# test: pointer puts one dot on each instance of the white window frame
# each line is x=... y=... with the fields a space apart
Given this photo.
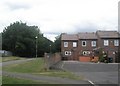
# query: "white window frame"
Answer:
x=67 y=53
x=85 y=53
x=65 y=44
x=85 y=44
x=106 y=42
x=116 y=42
x=74 y=44
x=93 y=43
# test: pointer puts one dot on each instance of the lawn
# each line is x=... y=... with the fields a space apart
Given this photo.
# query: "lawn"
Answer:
x=62 y=74
x=6 y=81
x=37 y=67
x=0 y=80
x=33 y=66
x=0 y=59
x=0 y=68
x=4 y=59
x=12 y=80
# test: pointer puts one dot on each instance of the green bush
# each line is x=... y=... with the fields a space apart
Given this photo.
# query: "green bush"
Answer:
x=102 y=59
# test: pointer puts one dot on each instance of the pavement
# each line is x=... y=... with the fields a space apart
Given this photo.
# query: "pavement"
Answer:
x=95 y=73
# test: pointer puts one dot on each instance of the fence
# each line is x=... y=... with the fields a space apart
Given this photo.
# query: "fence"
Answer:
x=51 y=59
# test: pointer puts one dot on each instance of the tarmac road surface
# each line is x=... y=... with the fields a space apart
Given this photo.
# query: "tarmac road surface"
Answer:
x=97 y=73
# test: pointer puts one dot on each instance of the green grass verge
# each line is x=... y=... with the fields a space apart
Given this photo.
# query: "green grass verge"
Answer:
x=62 y=74
x=0 y=80
x=0 y=59
x=4 y=59
x=33 y=66
x=0 y=68
x=37 y=67
x=12 y=80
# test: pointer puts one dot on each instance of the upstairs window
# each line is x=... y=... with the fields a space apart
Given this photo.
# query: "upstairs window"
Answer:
x=65 y=44
x=116 y=42
x=83 y=43
x=74 y=44
x=106 y=43
x=93 y=43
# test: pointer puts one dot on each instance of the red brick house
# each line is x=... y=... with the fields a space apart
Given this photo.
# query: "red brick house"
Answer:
x=109 y=41
x=69 y=44
x=81 y=46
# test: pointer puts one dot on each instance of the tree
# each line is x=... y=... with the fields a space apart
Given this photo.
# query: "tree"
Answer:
x=19 y=38
x=57 y=43
x=44 y=46
x=0 y=41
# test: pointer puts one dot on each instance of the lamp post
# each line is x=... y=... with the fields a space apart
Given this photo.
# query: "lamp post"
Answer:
x=50 y=48
x=36 y=45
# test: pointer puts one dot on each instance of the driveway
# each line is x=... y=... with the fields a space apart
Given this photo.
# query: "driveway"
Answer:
x=95 y=73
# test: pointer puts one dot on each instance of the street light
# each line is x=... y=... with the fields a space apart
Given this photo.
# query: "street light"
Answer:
x=50 y=48
x=36 y=45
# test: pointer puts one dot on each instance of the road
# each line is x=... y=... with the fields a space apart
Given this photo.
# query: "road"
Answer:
x=97 y=73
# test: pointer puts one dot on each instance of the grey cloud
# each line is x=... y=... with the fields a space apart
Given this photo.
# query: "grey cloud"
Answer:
x=17 y=6
x=87 y=27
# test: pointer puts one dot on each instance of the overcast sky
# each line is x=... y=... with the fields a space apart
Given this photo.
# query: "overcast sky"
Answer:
x=61 y=16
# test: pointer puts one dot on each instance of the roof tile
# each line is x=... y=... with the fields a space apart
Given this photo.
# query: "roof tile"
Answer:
x=69 y=37
x=108 y=34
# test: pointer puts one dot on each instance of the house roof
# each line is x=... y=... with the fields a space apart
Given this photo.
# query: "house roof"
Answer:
x=108 y=34
x=69 y=37
x=92 y=35
x=87 y=35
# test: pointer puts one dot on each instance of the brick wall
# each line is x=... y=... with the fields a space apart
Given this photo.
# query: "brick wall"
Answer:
x=84 y=59
x=88 y=59
x=51 y=59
